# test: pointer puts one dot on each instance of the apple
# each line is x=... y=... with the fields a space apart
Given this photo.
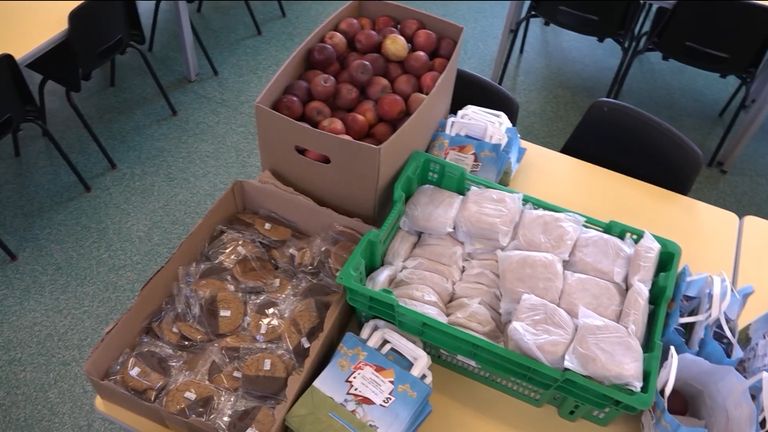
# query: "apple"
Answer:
x=367 y=109
x=289 y=106
x=378 y=62
x=356 y=124
x=405 y=85
x=415 y=101
x=352 y=56
x=425 y=40
x=388 y=31
x=394 y=70
x=316 y=111
x=410 y=26
x=398 y=124
x=417 y=63
x=367 y=41
x=344 y=77
x=332 y=125
x=361 y=72
x=365 y=23
x=390 y=107
x=445 y=47
x=348 y=27
x=347 y=96
x=439 y=64
x=371 y=141
x=300 y=89
x=337 y=41
x=377 y=87
x=315 y=156
x=321 y=56
x=323 y=87
x=382 y=131
x=338 y=113
x=384 y=21
x=310 y=74
x=333 y=69
x=428 y=81
x=394 y=48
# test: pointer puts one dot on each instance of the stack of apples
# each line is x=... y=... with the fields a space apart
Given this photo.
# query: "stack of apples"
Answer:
x=367 y=77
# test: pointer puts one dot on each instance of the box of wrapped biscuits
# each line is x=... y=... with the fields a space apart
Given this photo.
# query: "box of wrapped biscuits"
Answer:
x=357 y=97
x=239 y=321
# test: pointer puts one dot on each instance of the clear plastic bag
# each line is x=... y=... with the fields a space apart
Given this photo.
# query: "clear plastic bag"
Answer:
x=521 y=272
x=605 y=351
x=334 y=248
x=541 y=330
x=420 y=293
x=427 y=310
x=472 y=314
x=223 y=312
x=400 y=248
x=546 y=231
x=602 y=256
x=268 y=229
x=634 y=314
x=480 y=256
x=232 y=246
x=215 y=367
x=601 y=297
x=482 y=276
x=440 y=248
x=382 y=277
x=451 y=273
x=192 y=398
x=265 y=374
x=486 y=219
x=431 y=210
x=442 y=286
x=473 y=290
x=266 y=319
x=642 y=264
x=482 y=264
x=240 y=414
x=146 y=370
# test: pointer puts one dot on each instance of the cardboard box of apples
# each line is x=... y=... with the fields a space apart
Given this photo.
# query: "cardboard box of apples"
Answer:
x=363 y=92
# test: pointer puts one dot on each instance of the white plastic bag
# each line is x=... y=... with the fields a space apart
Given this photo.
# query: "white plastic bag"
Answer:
x=480 y=256
x=521 y=272
x=473 y=290
x=634 y=314
x=482 y=276
x=541 y=330
x=487 y=219
x=451 y=273
x=546 y=231
x=601 y=255
x=424 y=309
x=606 y=352
x=431 y=210
x=601 y=297
x=490 y=265
x=381 y=278
x=473 y=315
x=420 y=293
x=439 y=284
x=642 y=264
x=400 y=248
x=441 y=248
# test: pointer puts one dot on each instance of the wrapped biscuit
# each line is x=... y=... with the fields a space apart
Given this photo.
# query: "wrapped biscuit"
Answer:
x=546 y=231
x=601 y=297
x=431 y=210
x=146 y=370
x=192 y=398
x=487 y=218
x=441 y=248
x=541 y=330
x=451 y=273
x=642 y=264
x=521 y=272
x=601 y=255
x=634 y=314
x=442 y=286
x=381 y=278
x=265 y=374
x=400 y=248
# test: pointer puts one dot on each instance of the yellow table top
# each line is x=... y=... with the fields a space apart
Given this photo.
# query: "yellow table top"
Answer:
x=25 y=25
x=751 y=268
x=707 y=234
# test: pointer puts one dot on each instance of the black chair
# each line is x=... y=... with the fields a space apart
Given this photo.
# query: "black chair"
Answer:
x=622 y=138
x=18 y=106
x=8 y=251
x=250 y=12
x=473 y=89
x=729 y=38
x=614 y=20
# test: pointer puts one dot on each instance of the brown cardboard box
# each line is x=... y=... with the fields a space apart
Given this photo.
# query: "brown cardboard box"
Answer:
x=358 y=181
x=265 y=193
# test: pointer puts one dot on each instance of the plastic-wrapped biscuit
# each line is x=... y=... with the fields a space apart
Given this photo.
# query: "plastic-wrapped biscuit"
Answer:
x=431 y=210
x=601 y=255
x=381 y=278
x=541 y=330
x=473 y=315
x=191 y=398
x=451 y=273
x=546 y=231
x=442 y=286
x=429 y=311
x=606 y=352
x=441 y=248
x=521 y=272
x=400 y=248
x=421 y=294
x=642 y=264
x=473 y=290
x=634 y=315
x=601 y=297
x=487 y=218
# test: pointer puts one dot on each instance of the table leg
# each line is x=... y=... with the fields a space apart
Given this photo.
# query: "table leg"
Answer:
x=514 y=13
x=186 y=39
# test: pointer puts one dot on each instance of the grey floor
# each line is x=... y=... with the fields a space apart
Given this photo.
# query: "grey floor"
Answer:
x=83 y=257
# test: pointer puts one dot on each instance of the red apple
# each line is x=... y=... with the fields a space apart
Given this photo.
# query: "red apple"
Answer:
x=309 y=75
x=410 y=26
x=367 y=109
x=425 y=40
x=394 y=48
x=338 y=113
x=365 y=23
x=390 y=107
x=377 y=87
x=405 y=85
x=378 y=62
x=356 y=124
x=316 y=111
x=289 y=106
x=352 y=56
x=415 y=101
x=361 y=72
x=300 y=89
x=394 y=70
x=333 y=69
x=347 y=96
x=445 y=47
x=337 y=41
x=315 y=156
x=388 y=31
x=332 y=125
x=367 y=41
x=383 y=22
x=321 y=56
x=428 y=81
x=382 y=131
x=344 y=77
x=348 y=27
x=371 y=141
x=417 y=63
x=323 y=87
x=439 y=64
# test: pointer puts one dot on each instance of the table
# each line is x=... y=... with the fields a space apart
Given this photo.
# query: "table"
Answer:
x=751 y=266
x=707 y=234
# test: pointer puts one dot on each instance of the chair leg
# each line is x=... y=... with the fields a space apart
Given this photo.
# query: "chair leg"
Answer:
x=633 y=54
x=112 y=69
x=721 y=143
x=15 y=138
x=282 y=10
x=199 y=6
x=8 y=251
x=647 y=7
x=204 y=50
x=730 y=99
x=511 y=47
x=525 y=36
x=253 y=17
x=63 y=154
x=89 y=129
x=155 y=78
x=41 y=98
x=154 y=26
x=619 y=69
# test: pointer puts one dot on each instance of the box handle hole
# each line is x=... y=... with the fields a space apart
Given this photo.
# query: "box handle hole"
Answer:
x=312 y=155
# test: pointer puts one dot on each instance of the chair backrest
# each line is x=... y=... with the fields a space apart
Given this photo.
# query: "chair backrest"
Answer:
x=724 y=37
x=601 y=19
x=627 y=140
x=15 y=95
x=98 y=31
x=473 y=89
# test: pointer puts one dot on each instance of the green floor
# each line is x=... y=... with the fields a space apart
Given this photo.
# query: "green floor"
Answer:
x=83 y=257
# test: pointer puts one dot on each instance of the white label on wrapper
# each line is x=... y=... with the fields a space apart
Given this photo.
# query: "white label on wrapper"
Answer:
x=267 y=364
x=135 y=371
x=263 y=328
x=225 y=312
x=241 y=250
x=237 y=374
x=305 y=342
x=175 y=329
x=275 y=283
x=189 y=395
x=267 y=226
x=271 y=311
x=251 y=429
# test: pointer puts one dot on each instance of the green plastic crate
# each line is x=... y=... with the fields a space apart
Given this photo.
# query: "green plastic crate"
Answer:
x=575 y=396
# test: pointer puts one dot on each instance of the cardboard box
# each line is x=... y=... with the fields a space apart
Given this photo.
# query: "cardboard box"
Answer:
x=359 y=178
x=265 y=193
